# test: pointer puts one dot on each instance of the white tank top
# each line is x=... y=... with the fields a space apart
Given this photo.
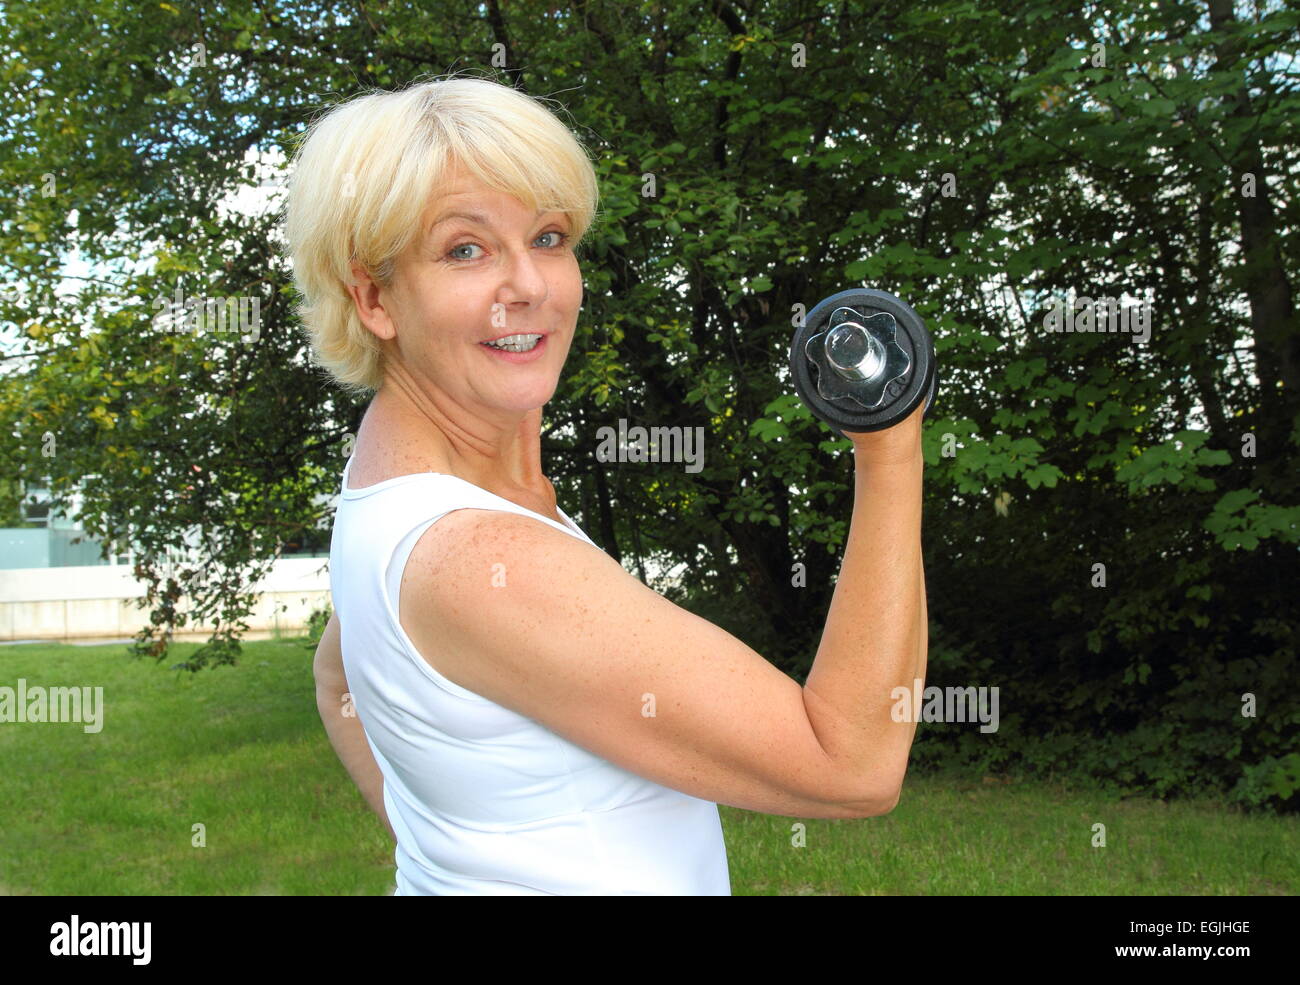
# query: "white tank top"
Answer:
x=483 y=800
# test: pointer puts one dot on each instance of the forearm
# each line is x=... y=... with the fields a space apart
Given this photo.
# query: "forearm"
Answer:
x=342 y=725
x=349 y=742
x=876 y=637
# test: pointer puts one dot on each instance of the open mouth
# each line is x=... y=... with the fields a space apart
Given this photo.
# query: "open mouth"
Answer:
x=522 y=348
x=515 y=343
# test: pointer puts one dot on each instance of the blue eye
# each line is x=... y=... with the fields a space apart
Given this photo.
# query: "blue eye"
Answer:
x=462 y=246
x=451 y=254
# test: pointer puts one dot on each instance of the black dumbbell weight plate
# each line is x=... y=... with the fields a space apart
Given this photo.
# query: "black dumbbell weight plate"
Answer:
x=901 y=354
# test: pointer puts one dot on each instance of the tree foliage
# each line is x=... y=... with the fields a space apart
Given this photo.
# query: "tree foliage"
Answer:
x=1111 y=524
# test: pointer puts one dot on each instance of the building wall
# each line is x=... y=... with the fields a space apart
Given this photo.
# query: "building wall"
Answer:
x=100 y=601
x=56 y=584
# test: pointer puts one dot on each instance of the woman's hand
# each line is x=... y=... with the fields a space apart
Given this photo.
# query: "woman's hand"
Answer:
x=897 y=445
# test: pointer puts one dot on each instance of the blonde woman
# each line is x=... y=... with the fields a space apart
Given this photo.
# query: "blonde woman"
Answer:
x=529 y=717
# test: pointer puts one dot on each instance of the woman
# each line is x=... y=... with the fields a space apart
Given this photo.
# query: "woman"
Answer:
x=529 y=717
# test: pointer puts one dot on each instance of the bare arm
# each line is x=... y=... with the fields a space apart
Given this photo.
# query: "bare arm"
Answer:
x=344 y=730
x=573 y=641
x=876 y=637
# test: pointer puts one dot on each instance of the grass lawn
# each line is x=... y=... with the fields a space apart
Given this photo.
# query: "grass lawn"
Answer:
x=242 y=752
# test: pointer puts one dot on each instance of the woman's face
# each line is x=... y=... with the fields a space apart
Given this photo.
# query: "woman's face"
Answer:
x=467 y=280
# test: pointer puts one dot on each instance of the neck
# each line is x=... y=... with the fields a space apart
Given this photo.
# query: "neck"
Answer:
x=489 y=454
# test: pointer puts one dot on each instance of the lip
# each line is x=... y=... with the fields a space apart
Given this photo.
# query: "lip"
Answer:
x=535 y=352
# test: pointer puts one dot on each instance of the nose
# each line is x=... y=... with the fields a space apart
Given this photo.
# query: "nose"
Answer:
x=525 y=280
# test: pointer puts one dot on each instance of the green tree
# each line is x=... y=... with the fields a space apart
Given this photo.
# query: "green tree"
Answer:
x=982 y=165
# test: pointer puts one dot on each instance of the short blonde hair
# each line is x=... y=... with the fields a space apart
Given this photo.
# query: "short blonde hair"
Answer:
x=367 y=169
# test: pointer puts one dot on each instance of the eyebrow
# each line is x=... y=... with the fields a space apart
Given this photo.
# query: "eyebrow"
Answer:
x=478 y=217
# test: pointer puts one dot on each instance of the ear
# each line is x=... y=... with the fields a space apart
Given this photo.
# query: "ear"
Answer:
x=371 y=306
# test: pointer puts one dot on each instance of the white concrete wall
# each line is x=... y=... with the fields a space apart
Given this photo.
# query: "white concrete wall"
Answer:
x=99 y=601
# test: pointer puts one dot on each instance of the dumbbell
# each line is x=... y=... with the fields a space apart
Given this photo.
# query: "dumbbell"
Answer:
x=862 y=360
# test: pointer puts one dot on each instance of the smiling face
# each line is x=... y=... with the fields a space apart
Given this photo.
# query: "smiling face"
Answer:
x=481 y=267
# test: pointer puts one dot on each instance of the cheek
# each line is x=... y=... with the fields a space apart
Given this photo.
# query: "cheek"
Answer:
x=572 y=285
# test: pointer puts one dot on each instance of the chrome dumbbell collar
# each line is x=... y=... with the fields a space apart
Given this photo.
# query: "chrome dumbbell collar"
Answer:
x=858 y=357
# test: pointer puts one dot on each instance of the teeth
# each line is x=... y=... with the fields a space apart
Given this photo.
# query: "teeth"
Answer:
x=515 y=343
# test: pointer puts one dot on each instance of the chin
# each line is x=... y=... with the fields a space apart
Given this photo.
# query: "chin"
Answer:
x=522 y=403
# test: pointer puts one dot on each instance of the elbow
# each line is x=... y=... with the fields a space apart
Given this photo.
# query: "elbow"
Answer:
x=326 y=703
x=889 y=802
x=881 y=799
x=327 y=690
x=877 y=806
